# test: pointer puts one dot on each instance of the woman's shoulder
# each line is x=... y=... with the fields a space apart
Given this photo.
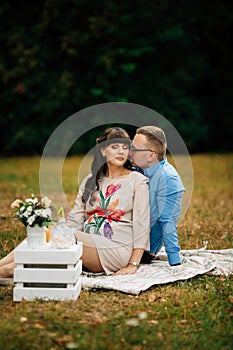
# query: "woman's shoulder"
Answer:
x=137 y=176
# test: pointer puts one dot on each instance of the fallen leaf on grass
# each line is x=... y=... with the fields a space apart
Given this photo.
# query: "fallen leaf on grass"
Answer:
x=133 y=322
x=39 y=326
x=183 y=321
x=142 y=315
x=72 y=346
x=51 y=334
x=152 y=298
x=62 y=341
x=160 y=336
x=154 y=322
x=96 y=318
x=163 y=300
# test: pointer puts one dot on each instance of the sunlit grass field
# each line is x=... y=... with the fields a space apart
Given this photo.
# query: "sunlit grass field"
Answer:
x=193 y=314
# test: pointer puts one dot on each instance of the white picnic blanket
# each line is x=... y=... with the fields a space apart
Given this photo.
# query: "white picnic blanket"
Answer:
x=194 y=262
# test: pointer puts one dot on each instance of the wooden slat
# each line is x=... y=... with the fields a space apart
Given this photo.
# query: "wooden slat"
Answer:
x=48 y=275
x=30 y=294
x=46 y=254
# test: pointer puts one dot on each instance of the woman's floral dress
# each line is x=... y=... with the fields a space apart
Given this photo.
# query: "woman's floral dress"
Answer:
x=117 y=220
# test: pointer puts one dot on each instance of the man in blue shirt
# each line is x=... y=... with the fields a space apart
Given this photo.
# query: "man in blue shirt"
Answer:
x=166 y=190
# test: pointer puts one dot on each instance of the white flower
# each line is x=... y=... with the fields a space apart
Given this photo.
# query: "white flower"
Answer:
x=27 y=212
x=31 y=200
x=31 y=220
x=24 y=214
x=39 y=212
x=46 y=202
x=47 y=213
x=22 y=209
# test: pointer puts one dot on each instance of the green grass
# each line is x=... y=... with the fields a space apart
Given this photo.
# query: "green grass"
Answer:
x=193 y=314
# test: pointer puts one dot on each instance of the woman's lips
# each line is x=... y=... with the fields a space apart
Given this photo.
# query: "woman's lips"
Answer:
x=120 y=158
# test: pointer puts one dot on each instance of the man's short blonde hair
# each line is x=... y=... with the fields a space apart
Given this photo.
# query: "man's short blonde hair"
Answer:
x=156 y=139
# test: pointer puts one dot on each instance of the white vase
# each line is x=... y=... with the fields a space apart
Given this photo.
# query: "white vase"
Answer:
x=36 y=236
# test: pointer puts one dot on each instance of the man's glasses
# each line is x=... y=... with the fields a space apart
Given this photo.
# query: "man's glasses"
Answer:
x=134 y=149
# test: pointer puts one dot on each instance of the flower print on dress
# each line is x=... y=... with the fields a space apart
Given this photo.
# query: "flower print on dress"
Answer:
x=111 y=189
x=113 y=205
x=105 y=212
x=108 y=231
x=105 y=199
x=115 y=215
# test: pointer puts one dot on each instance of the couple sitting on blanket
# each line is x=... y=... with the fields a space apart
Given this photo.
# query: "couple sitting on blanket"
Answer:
x=122 y=216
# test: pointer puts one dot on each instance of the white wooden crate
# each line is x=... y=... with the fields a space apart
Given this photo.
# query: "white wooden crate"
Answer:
x=47 y=273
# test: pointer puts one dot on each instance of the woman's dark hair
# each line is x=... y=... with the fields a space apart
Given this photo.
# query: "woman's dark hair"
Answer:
x=99 y=165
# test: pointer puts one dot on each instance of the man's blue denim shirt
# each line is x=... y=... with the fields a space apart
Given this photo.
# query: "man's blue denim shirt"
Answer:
x=166 y=190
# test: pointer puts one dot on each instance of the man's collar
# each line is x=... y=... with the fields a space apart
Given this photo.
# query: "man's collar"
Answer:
x=149 y=172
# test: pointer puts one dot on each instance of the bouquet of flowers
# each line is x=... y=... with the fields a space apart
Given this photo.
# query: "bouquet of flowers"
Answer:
x=33 y=211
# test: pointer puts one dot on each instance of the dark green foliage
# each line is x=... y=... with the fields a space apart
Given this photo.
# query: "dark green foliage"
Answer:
x=59 y=57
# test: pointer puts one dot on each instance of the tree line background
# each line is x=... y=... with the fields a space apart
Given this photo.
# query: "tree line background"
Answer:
x=60 y=56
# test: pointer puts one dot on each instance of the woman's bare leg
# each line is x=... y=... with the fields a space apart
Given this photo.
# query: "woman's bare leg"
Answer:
x=7 y=271
x=9 y=258
x=7 y=265
x=90 y=256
